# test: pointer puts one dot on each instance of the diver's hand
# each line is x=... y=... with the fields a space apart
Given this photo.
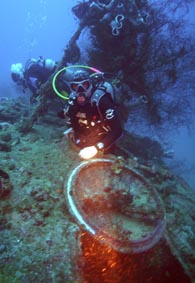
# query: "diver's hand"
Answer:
x=88 y=152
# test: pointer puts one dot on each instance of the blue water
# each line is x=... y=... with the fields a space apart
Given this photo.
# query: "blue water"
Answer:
x=30 y=29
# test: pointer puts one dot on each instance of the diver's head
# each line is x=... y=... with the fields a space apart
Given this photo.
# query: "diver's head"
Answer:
x=81 y=85
x=17 y=72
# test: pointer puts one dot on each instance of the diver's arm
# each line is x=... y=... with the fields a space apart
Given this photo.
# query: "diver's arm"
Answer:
x=111 y=118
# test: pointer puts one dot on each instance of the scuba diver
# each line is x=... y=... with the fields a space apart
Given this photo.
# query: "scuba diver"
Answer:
x=34 y=74
x=92 y=114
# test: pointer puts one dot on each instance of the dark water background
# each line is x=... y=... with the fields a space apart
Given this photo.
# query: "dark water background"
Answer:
x=43 y=27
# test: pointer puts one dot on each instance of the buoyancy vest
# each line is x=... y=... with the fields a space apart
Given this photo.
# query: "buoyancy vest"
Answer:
x=105 y=88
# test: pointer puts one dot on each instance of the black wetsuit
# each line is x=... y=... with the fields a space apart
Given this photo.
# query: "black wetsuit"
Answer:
x=93 y=124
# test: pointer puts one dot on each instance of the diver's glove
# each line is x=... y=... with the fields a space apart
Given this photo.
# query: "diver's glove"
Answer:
x=88 y=152
x=69 y=134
